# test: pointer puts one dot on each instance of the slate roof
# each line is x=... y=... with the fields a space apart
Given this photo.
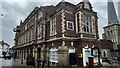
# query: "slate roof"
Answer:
x=106 y=44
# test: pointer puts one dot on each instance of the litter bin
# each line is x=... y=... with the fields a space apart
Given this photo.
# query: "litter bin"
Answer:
x=91 y=62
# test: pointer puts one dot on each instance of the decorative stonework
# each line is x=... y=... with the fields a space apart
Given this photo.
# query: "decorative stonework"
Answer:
x=76 y=23
x=63 y=43
x=82 y=23
x=63 y=56
x=71 y=43
x=44 y=30
x=63 y=22
x=93 y=25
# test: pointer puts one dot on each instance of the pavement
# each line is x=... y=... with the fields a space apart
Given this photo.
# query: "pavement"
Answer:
x=17 y=64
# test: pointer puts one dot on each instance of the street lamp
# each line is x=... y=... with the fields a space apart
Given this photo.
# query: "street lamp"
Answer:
x=3 y=52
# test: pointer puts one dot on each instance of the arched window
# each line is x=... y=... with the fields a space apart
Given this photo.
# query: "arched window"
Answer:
x=113 y=40
x=104 y=54
x=86 y=45
x=93 y=46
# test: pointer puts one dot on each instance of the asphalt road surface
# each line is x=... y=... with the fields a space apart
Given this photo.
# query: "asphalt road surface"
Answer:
x=5 y=63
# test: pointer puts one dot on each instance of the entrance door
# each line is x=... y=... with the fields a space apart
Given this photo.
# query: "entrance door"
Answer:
x=38 y=53
x=72 y=59
x=38 y=56
x=86 y=54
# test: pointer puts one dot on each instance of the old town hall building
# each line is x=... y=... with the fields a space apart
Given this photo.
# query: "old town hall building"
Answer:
x=63 y=34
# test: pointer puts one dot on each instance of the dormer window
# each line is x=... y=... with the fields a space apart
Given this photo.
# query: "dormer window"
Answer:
x=40 y=15
x=86 y=5
x=81 y=6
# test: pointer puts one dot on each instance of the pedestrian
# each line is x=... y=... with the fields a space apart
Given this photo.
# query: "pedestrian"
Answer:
x=43 y=64
x=38 y=61
x=48 y=62
x=21 y=59
x=15 y=55
x=33 y=60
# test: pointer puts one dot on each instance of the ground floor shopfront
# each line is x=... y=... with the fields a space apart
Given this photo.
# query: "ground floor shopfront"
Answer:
x=63 y=53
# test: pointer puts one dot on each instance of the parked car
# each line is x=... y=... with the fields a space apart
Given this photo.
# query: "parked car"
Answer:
x=7 y=56
x=1 y=56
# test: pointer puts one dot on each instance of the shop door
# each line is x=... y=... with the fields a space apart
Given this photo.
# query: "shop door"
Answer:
x=72 y=59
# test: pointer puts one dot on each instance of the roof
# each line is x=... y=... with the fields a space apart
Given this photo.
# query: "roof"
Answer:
x=111 y=25
x=65 y=5
x=106 y=44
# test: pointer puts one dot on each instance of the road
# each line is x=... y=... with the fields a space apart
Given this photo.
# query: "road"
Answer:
x=16 y=64
x=5 y=63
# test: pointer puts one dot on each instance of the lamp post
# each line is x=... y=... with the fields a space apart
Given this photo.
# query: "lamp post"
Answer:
x=3 y=52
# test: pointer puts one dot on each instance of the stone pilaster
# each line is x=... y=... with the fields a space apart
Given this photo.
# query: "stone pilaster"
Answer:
x=63 y=56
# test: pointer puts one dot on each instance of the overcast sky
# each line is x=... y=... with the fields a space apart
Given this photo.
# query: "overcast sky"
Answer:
x=15 y=10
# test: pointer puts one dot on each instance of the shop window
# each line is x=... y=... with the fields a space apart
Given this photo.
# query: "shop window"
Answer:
x=104 y=54
x=53 y=55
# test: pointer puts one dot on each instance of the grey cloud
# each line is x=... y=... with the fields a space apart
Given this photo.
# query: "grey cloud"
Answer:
x=101 y=9
x=12 y=15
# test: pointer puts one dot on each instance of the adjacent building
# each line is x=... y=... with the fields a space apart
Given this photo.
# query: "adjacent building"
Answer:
x=65 y=34
x=1 y=50
x=106 y=47
x=119 y=11
x=112 y=30
x=4 y=48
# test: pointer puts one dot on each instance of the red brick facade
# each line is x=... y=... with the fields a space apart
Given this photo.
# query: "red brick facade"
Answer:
x=36 y=32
